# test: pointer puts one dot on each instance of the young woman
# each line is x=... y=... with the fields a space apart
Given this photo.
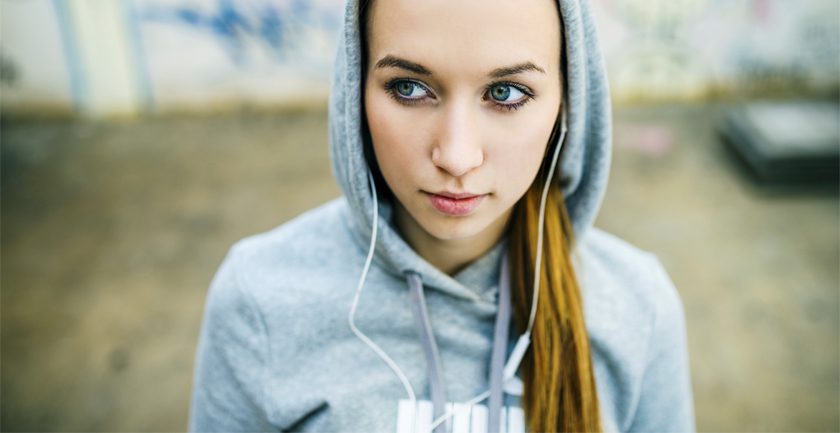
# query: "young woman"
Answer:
x=458 y=285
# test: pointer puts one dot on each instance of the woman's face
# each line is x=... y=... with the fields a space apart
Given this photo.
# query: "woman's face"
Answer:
x=460 y=98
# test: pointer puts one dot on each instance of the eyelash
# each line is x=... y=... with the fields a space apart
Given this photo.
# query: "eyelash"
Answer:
x=390 y=88
x=528 y=95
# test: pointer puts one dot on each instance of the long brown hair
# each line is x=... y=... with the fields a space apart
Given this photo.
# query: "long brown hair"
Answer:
x=557 y=371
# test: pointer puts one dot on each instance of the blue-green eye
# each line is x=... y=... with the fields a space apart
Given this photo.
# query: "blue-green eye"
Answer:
x=508 y=96
x=505 y=93
x=408 y=89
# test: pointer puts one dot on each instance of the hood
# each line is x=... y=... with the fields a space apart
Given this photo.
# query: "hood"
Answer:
x=584 y=163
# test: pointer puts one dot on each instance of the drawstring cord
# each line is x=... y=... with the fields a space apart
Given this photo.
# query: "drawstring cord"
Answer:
x=497 y=359
x=522 y=344
x=524 y=341
x=437 y=388
x=430 y=349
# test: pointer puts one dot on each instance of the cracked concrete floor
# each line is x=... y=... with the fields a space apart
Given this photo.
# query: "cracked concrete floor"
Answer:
x=111 y=233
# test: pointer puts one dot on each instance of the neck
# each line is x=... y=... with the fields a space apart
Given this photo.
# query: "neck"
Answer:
x=448 y=255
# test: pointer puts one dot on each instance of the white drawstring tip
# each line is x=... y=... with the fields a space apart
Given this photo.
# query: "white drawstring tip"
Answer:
x=516 y=356
x=514 y=386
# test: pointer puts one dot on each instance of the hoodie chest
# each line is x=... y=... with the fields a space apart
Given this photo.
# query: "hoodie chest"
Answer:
x=325 y=376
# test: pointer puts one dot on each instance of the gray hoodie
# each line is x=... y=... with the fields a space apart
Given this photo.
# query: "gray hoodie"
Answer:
x=276 y=352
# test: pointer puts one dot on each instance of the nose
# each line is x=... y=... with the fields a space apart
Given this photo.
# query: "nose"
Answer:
x=457 y=148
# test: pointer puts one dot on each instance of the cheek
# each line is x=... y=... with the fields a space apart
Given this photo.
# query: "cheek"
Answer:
x=519 y=150
x=396 y=148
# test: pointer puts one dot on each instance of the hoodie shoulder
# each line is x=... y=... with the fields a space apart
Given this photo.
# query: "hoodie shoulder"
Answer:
x=615 y=273
x=274 y=293
x=312 y=225
x=299 y=257
x=636 y=321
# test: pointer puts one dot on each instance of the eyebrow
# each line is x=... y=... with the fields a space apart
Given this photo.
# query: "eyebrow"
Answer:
x=390 y=61
x=515 y=69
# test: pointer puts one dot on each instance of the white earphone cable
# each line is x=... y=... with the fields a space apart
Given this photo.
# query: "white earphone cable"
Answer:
x=350 y=319
x=524 y=340
x=541 y=224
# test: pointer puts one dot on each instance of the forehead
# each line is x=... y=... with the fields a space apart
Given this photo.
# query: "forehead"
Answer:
x=466 y=36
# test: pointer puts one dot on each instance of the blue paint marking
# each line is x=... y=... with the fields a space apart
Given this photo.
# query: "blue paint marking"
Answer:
x=189 y=17
x=235 y=25
x=271 y=31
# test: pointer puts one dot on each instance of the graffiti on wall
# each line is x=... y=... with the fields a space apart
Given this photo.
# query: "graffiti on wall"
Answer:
x=260 y=49
x=277 y=27
x=196 y=53
x=697 y=48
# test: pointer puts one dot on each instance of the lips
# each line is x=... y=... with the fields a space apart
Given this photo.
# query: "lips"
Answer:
x=455 y=204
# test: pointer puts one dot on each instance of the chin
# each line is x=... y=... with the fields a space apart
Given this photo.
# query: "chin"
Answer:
x=453 y=229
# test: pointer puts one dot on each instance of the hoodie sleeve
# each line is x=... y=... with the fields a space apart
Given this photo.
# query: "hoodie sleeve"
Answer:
x=227 y=392
x=666 y=403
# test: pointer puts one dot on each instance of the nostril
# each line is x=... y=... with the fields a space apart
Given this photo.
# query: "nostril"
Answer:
x=436 y=156
x=455 y=166
x=457 y=160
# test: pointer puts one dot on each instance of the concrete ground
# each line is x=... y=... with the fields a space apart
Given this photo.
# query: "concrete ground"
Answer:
x=111 y=234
